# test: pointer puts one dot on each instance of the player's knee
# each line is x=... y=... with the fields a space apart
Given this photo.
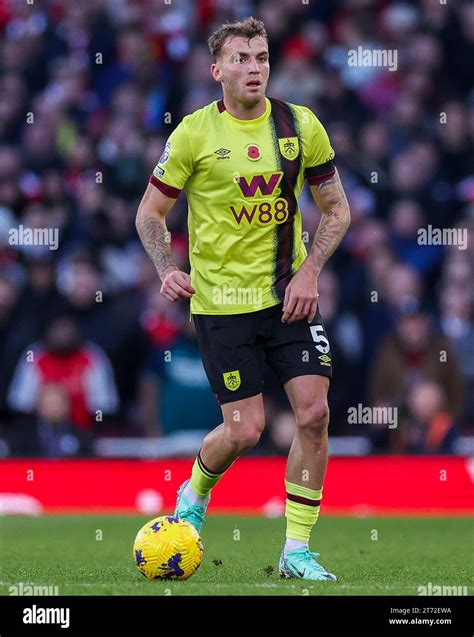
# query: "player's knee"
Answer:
x=313 y=419
x=246 y=436
x=248 y=441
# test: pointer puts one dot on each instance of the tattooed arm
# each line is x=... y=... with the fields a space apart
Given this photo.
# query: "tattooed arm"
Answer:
x=301 y=296
x=151 y=227
x=334 y=223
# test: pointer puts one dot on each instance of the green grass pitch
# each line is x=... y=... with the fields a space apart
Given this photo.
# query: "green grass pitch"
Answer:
x=240 y=556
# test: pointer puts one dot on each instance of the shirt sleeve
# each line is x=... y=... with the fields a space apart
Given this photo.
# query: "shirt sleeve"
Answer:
x=318 y=153
x=175 y=165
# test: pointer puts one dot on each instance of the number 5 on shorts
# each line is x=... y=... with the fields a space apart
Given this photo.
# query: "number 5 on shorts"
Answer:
x=322 y=343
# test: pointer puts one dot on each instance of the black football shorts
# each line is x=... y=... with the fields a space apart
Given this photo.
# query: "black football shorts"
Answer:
x=234 y=348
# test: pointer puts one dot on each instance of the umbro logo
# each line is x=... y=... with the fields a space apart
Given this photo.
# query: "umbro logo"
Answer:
x=325 y=360
x=223 y=153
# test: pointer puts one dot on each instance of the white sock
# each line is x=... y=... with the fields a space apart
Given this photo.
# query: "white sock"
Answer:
x=293 y=544
x=193 y=498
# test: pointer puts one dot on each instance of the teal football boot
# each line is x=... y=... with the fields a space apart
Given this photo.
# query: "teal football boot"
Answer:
x=301 y=564
x=193 y=513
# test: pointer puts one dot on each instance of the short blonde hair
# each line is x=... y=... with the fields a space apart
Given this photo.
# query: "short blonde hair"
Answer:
x=248 y=28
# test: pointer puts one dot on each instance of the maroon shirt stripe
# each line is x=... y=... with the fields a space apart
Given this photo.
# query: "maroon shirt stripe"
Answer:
x=318 y=179
x=169 y=191
x=318 y=174
x=285 y=126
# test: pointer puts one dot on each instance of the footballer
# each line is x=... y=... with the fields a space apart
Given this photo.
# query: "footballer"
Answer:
x=253 y=286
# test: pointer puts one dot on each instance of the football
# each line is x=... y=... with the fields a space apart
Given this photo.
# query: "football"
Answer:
x=168 y=548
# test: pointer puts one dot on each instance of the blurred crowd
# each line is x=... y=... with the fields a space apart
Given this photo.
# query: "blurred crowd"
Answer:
x=89 y=92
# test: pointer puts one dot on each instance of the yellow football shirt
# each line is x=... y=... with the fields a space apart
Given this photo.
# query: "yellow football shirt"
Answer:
x=243 y=179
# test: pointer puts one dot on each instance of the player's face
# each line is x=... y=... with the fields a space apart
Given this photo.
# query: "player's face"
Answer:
x=243 y=68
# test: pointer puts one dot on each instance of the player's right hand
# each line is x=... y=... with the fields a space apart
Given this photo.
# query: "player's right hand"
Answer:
x=176 y=285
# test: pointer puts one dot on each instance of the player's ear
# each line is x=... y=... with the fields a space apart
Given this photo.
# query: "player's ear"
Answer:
x=216 y=74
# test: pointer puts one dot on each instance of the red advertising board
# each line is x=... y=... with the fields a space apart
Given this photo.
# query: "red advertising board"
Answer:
x=419 y=485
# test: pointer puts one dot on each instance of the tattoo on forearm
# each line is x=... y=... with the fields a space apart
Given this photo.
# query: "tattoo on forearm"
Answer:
x=156 y=241
x=334 y=221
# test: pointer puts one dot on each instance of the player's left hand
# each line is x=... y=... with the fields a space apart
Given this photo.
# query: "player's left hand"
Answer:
x=301 y=296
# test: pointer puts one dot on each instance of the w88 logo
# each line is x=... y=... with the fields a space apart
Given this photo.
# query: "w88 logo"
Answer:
x=262 y=213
